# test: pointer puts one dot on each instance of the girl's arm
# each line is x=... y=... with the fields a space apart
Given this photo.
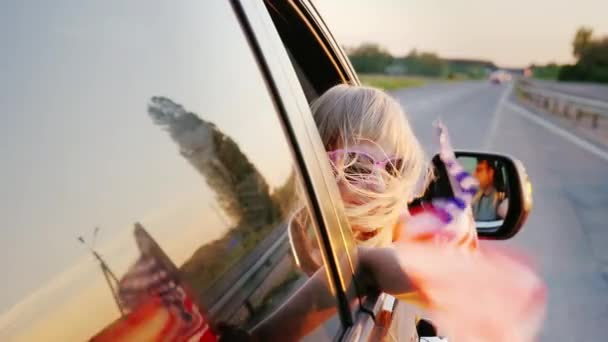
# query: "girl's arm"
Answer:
x=313 y=304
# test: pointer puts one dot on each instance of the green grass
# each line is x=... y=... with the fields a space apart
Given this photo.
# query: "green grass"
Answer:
x=389 y=82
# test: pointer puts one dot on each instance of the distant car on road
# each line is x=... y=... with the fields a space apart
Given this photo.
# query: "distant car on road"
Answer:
x=500 y=76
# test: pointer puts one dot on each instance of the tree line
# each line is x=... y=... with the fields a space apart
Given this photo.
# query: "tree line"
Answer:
x=371 y=58
x=591 y=65
x=591 y=54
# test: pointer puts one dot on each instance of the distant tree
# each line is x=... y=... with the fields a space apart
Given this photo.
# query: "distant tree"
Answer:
x=582 y=40
x=592 y=58
x=369 y=58
x=595 y=53
x=425 y=64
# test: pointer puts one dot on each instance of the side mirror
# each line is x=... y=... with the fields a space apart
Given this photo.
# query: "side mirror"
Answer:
x=504 y=200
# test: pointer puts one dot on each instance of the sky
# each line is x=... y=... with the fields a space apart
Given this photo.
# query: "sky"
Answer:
x=510 y=33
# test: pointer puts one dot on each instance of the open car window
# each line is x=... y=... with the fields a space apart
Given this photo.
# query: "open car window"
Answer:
x=149 y=189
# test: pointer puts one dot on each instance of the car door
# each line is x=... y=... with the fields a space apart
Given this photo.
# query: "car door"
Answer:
x=313 y=61
x=155 y=155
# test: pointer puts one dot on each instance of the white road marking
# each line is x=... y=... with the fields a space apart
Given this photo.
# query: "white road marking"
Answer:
x=558 y=130
x=495 y=117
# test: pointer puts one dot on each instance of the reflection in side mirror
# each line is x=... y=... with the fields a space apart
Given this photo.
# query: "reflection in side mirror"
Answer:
x=491 y=203
x=504 y=199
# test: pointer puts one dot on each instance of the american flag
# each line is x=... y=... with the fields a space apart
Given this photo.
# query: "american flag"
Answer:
x=159 y=306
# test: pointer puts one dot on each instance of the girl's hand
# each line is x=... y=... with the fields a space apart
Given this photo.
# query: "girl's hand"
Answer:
x=490 y=295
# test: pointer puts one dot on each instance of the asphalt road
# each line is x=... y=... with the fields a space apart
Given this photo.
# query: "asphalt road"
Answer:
x=567 y=231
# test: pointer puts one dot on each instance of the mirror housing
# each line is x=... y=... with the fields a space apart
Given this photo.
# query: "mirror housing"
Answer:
x=517 y=192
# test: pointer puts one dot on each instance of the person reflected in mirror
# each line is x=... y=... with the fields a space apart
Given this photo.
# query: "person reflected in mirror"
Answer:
x=489 y=204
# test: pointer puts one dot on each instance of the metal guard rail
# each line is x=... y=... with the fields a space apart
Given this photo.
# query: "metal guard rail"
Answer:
x=562 y=103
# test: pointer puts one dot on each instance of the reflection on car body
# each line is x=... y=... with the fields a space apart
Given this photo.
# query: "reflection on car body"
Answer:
x=235 y=279
x=155 y=303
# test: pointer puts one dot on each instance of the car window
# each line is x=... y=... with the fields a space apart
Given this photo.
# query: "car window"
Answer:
x=148 y=188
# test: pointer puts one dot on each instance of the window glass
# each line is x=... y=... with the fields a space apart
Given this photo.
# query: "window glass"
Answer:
x=147 y=186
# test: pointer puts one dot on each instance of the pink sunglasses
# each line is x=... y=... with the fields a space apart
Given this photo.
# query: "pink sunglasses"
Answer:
x=362 y=163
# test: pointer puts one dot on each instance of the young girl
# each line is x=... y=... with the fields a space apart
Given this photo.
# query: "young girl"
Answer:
x=379 y=167
x=376 y=158
x=378 y=164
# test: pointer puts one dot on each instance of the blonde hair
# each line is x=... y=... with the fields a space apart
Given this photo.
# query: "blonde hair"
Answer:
x=346 y=115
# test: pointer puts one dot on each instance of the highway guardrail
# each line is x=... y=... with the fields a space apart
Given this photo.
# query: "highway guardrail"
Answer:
x=566 y=105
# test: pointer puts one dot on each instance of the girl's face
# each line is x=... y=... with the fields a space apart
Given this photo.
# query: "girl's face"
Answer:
x=380 y=152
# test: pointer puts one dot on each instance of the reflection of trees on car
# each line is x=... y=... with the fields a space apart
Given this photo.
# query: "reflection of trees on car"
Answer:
x=241 y=192
x=240 y=189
